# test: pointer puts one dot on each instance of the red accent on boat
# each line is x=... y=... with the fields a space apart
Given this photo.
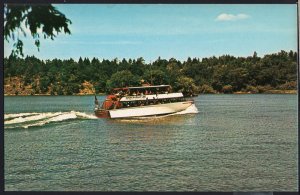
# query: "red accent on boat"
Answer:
x=111 y=97
x=119 y=104
x=108 y=104
x=102 y=114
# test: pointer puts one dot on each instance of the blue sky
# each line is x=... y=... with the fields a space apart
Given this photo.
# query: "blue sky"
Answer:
x=179 y=31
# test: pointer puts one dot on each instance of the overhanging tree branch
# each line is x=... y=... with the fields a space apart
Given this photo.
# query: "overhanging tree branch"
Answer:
x=41 y=20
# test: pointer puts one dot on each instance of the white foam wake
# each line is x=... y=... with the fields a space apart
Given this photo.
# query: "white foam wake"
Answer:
x=190 y=110
x=84 y=115
x=62 y=117
x=10 y=116
x=26 y=120
x=36 y=117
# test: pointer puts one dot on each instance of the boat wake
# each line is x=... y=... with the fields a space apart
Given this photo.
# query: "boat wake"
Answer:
x=190 y=110
x=25 y=120
x=35 y=119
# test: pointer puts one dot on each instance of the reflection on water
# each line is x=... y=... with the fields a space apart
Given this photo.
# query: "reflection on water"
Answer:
x=166 y=120
x=126 y=131
x=148 y=131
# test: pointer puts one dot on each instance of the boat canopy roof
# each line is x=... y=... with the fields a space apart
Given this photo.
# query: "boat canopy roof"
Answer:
x=150 y=86
x=142 y=87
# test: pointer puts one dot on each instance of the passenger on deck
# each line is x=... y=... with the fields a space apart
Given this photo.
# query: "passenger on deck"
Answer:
x=147 y=102
x=121 y=93
x=154 y=101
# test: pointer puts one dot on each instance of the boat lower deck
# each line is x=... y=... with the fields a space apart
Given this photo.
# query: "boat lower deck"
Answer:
x=147 y=111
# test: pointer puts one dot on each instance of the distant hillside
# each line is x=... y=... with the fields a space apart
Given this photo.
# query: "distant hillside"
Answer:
x=272 y=73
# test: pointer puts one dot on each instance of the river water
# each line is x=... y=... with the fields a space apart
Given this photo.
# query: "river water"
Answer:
x=234 y=143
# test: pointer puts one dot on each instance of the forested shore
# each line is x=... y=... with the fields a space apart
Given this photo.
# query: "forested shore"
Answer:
x=272 y=73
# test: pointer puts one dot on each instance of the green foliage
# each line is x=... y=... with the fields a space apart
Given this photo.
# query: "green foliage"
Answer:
x=122 y=78
x=227 y=89
x=156 y=76
x=72 y=88
x=173 y=71
x=42 y=21
x=206 y=89
x=44 y=83
x=186 y=85
x=288 y=85
x=263 y=89
x=224 y=74
x=252 y=89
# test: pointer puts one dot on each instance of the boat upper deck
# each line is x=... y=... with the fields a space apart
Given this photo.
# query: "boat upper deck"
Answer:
x=145 y=93
x=147 y=90
x=150 y=87
x=142 y=97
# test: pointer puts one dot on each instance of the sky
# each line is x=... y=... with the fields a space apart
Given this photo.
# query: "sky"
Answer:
x=169 y=31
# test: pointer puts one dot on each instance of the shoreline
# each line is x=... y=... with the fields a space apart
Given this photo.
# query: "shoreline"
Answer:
x=273 y=91
x=235 y=93
x=54 y=95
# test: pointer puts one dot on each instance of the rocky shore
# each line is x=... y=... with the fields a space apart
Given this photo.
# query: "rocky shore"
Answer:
x=16 y=86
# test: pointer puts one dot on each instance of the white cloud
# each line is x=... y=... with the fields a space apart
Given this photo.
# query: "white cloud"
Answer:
x=231 y=17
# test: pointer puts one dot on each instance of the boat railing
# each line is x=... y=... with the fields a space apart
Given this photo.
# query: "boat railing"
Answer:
x=135 y=96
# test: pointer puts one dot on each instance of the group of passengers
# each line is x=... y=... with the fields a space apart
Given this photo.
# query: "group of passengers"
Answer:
x=149 y=102
x=143 y=92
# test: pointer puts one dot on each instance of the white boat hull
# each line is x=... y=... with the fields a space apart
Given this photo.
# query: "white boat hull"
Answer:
x=150 y=110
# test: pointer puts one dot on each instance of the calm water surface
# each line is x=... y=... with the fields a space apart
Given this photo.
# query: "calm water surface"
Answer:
x=234 y=143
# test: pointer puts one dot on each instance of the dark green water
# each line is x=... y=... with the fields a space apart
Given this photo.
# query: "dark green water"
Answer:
x=234 y=143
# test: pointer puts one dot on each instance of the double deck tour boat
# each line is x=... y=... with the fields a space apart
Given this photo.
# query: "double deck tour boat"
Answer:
x=143 y=101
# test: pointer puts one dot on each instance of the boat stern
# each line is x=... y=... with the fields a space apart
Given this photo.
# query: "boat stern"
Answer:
x=101 y=113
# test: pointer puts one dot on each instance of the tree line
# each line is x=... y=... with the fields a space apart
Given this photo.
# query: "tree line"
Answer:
x=223 y=74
